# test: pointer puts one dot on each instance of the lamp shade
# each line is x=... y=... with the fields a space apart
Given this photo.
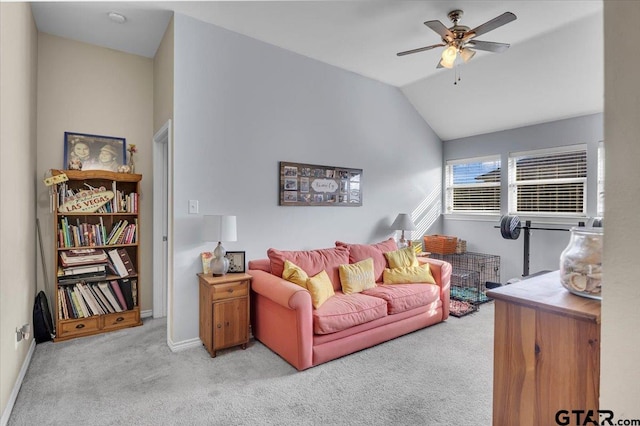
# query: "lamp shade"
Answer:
x=403 y=223
x=219 y=228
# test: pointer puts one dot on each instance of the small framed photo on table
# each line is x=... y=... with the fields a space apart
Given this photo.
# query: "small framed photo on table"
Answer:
x=236 y=261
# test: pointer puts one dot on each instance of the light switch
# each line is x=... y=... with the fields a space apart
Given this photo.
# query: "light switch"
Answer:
x=193 y=206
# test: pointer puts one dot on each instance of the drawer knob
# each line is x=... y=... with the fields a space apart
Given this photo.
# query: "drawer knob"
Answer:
x=230 y=290
x=80 y=326
x=119 y=319
x=219 y=325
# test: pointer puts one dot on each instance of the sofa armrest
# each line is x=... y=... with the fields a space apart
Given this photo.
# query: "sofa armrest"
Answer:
x=441 y=272
x=282 y=317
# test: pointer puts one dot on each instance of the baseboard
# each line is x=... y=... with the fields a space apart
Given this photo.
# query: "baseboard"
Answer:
x=183 y=345
x=16 y=387
x=146 y=314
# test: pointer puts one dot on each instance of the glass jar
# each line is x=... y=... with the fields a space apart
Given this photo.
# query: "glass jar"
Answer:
x=581 y=263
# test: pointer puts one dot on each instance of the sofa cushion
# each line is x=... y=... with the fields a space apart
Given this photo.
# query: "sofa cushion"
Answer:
x=311 y=261
x=320 y=288
x=295 y=274
x=403 y=297
x=401 y=258
x=408 y=274
x=347 y=310
x=358 y=252
x=356 y=277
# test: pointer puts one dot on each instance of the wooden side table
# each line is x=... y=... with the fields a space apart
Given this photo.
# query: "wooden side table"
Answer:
x=546 y=352
x=224 y=311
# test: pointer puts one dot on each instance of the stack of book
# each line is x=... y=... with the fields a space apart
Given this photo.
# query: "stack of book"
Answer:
x=82 y=265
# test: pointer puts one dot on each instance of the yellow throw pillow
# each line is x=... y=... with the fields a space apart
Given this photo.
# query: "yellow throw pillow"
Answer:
x=401 y=258
x=295 y=274
x=408 y=274
x=320 y=288
x=357 y=277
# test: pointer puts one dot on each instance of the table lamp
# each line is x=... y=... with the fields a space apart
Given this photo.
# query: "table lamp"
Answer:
x=403 y=223
x=219 y=228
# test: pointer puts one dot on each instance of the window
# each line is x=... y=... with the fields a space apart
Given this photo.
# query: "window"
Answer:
x=549 y=181
x=473 y=185
x=600 y=204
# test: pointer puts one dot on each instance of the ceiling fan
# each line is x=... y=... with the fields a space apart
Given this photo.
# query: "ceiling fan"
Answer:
x=460 y=40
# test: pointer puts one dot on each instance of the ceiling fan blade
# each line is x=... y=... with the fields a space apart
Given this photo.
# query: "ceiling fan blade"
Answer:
x=496 y=22
x=488 y=46
x=420 y=49
x=439 y=27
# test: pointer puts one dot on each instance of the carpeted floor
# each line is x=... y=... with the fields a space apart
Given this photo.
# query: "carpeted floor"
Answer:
x=441 y=375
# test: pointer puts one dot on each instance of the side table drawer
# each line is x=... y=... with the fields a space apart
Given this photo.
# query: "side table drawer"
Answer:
x=230 y=290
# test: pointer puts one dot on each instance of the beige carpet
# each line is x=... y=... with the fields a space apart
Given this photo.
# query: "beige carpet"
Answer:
x=441 y=375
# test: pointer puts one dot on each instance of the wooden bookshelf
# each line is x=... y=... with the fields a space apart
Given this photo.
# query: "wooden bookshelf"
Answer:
x=90 y=209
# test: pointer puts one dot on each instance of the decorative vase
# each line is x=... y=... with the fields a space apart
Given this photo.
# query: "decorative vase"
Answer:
x=581 y=263
x=132 y=165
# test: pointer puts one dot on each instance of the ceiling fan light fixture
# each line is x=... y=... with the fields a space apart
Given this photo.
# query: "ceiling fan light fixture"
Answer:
x=467 y=54
x=449 y=54
x=447 y=63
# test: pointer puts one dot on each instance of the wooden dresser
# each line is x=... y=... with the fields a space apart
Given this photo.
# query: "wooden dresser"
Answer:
x=224 y=311
x=546 y=352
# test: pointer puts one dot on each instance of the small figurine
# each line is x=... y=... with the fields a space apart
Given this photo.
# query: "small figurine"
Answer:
x=75 y=164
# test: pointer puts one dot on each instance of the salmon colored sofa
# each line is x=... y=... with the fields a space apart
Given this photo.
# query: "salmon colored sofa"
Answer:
x=284 y=319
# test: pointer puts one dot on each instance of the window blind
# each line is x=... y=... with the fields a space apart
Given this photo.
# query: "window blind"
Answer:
x=473 y=185
x=548 y=181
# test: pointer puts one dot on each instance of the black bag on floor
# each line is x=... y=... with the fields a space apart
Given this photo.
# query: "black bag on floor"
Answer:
x=42 y=322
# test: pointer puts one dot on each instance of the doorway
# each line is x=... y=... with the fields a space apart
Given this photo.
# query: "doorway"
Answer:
x=162 y=147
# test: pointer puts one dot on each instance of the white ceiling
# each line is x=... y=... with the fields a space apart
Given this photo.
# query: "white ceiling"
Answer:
x=553 y=70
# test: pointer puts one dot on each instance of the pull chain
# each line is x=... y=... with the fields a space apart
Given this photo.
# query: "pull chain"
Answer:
x=456 y=75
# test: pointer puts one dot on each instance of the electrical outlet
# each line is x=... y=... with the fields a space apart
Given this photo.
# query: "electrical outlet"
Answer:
x=193 y=206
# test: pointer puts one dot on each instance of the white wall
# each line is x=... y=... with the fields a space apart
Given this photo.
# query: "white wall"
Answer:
x=546 y=246
x=240 y=107
x=18 y=261
x=620 y=349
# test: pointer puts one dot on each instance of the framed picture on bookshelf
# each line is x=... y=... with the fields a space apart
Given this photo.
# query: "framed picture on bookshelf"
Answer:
x=236 y=261
x=93 y=152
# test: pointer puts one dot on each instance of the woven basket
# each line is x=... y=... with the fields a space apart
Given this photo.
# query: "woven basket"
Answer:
x=440 y=244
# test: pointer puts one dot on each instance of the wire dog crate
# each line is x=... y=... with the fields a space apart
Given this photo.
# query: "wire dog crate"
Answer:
x=472 y=271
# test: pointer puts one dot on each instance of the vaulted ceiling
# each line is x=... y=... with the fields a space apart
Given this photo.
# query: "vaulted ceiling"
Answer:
x=553 y=70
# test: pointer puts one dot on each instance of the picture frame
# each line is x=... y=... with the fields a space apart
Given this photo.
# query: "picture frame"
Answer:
x=236 y=261
x=83 y=151
x=313 y=185
x=206 y=257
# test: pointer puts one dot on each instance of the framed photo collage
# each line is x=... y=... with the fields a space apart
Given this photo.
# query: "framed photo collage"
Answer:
x=314 y=185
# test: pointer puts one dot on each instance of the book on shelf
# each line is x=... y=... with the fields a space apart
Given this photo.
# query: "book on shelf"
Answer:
x=115 y=287
x=106 y=290
x=122 y=262
x=125 y=287
x=91 y=276
x=69 y=258
x=85 y=269
x=94 y=287
x=87 y=299
x=80 y=313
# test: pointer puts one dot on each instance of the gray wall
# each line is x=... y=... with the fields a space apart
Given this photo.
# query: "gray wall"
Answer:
x=240 y=107
x=546 y=246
